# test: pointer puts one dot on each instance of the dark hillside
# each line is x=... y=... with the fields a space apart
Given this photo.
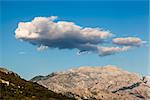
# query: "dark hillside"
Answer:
x=12 y=87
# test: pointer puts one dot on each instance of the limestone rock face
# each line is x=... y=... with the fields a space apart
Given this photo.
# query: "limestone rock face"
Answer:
x=98 y=83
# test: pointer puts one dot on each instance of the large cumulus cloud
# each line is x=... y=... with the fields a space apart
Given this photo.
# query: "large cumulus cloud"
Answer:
x=46 y=32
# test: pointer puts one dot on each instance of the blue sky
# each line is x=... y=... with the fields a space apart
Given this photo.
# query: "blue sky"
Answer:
x=122 y=18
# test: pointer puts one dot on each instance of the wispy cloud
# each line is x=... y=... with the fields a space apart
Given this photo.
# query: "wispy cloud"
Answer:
x=46 y=32
x=129 y=41
x=22 y=53
x=113 y=50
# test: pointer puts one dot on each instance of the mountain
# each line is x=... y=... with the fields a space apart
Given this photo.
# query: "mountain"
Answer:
x=98 y=83
x=13 y=87
x=37 y=78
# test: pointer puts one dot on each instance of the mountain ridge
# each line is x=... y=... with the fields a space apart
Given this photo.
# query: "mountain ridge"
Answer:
x=83 y=83
x=13 y=87
x=100 y=83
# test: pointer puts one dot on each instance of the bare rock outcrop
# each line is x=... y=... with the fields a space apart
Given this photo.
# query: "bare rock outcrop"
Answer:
x=98 y=83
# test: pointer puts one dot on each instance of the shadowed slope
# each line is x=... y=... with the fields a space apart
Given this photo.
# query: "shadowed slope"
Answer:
x=12 y=87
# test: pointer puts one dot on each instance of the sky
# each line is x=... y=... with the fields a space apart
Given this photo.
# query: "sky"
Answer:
x=121 y=18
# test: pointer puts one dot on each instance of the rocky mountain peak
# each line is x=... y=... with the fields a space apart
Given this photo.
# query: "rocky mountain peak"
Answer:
x=106 y=83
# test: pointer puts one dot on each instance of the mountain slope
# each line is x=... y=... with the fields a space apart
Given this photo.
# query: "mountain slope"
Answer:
x=12 y=87
x=98 y=83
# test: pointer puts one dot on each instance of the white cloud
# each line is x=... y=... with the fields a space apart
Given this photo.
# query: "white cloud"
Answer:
x=128 y=41
x=46 y=32
x=112 y=50
x=47 y=28
x=42 y=48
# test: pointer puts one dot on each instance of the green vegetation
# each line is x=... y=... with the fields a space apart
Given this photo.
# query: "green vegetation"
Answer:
x=12 y=87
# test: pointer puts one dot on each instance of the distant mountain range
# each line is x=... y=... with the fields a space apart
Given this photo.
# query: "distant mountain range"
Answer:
x=84 y=83
x=97 y=83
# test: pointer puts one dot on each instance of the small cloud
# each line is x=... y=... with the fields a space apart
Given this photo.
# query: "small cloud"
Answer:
x=112 y=50
x=129 y=41
x=42 y=48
